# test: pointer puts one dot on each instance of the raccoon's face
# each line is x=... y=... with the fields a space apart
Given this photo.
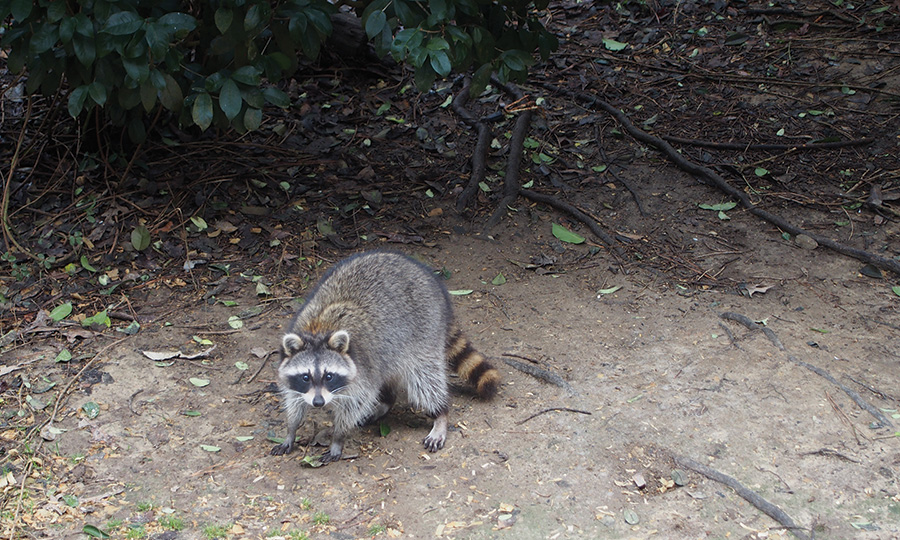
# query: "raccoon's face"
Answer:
x=316 y=367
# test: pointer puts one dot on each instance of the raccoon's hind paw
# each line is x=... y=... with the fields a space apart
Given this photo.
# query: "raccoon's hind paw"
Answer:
x=282 y=449
x=434 y=443
x=328 y=457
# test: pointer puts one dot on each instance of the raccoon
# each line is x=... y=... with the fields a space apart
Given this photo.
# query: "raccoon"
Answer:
x=377 y=324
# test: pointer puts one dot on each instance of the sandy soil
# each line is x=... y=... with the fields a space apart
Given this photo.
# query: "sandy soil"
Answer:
x=654 y=370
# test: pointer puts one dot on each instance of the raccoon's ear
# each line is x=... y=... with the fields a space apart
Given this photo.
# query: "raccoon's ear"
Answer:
x=291 y=344
x=339 y=341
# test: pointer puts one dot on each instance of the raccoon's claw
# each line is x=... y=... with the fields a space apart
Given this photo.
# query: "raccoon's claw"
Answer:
x=433 y=444
x=282 y=449
x=328 y=457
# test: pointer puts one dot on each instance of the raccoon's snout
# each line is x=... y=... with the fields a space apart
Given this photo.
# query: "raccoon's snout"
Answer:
x=318 y=401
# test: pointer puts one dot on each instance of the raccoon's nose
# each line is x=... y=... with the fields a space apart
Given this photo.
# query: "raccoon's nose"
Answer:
x=318 y=401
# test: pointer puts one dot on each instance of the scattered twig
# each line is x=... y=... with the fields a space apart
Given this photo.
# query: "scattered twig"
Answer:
x=748 y=495
x=265 y=360
x=817 y=370
x=877 y=392
x=552 y=409
x=542 y=374
x=828 y=452
x=744 y=146
x=520 y=357
x=843 y=416
x=708 y=175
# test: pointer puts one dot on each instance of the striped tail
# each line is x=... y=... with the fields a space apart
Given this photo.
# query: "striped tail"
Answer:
x=471 y=366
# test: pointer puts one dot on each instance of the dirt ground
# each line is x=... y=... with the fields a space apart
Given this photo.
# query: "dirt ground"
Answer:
x=648 y=369
x=654 y=372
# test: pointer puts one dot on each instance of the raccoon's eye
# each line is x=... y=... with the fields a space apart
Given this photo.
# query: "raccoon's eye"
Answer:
x=305 y=377
x=329 y=376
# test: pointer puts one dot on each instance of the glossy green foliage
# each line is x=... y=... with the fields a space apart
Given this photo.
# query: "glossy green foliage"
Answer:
x=207 y=62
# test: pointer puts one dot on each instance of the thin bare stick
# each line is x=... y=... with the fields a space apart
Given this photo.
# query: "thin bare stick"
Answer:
x=562 y=409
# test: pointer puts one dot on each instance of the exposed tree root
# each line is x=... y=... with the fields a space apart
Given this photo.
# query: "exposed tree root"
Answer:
x=708 y=175
x=552 y=409
x=863 y=404
x=784 y=147
x=479 y=156
x=511 y=184
x=747 y=494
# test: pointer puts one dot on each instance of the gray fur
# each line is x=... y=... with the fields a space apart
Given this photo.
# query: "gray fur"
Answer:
x=383 y=318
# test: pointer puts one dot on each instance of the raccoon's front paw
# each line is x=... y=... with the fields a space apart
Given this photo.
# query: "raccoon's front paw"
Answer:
x=328 y=457
x=282 y=449
x=433 y=443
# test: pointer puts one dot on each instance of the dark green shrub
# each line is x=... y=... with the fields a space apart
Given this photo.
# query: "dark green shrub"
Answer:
x=205 y=61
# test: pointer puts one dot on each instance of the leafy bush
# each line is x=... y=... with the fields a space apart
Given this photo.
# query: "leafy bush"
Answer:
x=206 y=61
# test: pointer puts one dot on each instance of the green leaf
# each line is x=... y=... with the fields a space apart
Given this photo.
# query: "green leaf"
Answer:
x=613 y=45
x=171 y=96
x=178 y=23
x=91 y=409
x=609 y=290
x=440 y=62
x=230 y=100
x=100 y=319
x=191 y=413
x=723 y=216
x=500 y=279
x=244 y=438
x=202 y=111
x=464 y=292
x=566 y=235
x=252 y=118
x=76 y=100
x=276 y=97
x=61 y=311
x=140 y=238
x=94 y=532
x=199 y=383
x=98 y=93
x=896 y=289
x=223 y=18
x=718 y=207
x=248 y=75
x=384 y=429
x=375 y=23
x=123 y=23
x=21 y=9
x=759 y=171
x=235 y=322
x=63 y=356
x=484 y=187
x=243 y=366
x=210 y=448
x=86 y=264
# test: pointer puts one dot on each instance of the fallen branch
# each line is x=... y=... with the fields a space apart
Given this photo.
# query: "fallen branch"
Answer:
x=552 y=409
x=748 y=495
x=710 y=176
x=542 y=374
x=863 y=404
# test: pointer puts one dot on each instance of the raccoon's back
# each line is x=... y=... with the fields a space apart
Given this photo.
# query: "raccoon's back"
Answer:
x=384 y=300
